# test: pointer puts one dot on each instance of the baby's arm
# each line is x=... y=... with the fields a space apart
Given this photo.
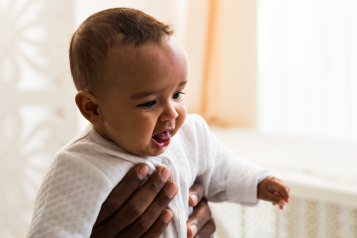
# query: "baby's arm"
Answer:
x=226 y=178
x=274 y=190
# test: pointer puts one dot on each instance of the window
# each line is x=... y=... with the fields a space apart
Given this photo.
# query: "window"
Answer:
x=307 y=74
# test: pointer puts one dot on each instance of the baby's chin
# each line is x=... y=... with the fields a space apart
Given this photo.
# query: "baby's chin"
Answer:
x=153 y=147
x=148 y=150
x=152 y=151
x=156 y=153
x=157 y=145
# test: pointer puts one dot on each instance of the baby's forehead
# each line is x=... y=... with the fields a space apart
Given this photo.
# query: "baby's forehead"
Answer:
x=128 y=60
x=169 y=53
x=128 y=52
x=137 y=67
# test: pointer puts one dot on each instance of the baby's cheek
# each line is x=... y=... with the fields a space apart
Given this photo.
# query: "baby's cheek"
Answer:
x=180 y=119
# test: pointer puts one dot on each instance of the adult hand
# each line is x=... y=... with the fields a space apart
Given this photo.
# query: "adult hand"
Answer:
x=200 y=224
x=132 y=212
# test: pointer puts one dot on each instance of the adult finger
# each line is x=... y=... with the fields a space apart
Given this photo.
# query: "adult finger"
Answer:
x=122 y=192
x=208 y=230
x=160 y=225
x=135 y=206
x=198 y=219
x=145 y=221
x=196 y=193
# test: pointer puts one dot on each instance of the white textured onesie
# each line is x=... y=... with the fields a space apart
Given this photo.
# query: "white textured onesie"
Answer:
x=85 y=171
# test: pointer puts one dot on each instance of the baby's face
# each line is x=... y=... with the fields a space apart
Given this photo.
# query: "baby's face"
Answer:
x=147 y=107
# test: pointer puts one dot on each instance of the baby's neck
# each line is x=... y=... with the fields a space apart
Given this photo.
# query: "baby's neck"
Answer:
x=99 y=129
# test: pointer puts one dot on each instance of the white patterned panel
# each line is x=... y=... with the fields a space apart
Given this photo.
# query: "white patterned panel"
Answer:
x=303 y=218
x=321 y=175
x=37 y=111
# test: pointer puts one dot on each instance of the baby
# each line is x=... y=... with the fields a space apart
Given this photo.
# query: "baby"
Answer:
x=130 y=73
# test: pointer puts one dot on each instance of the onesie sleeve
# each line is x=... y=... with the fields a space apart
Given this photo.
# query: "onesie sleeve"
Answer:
x=69 y=199
x=226 y=177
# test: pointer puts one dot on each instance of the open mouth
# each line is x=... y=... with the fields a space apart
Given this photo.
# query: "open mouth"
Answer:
x=162 y=139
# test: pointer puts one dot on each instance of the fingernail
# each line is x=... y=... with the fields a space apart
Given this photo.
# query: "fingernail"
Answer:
x=281 y=203
x=167 y=217
x=288 y=199
x=165 y=174
x=194 y=230
x=171 y=190
x=143 y=171
x=194 y=199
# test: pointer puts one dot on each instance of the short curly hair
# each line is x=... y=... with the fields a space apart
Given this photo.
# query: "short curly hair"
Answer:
x=102 y=31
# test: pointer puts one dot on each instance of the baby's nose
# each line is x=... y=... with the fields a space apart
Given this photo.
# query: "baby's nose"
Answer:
x=169 y=113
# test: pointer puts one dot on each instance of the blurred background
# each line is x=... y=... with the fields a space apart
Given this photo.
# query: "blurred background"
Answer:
x=276 y=80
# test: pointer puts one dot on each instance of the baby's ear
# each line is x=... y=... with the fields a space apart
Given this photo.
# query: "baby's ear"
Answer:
x=87 y=103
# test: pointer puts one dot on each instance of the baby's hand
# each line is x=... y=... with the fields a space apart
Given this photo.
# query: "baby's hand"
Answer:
x=274 y=190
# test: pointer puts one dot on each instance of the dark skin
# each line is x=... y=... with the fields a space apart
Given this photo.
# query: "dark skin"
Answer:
x=130 y=211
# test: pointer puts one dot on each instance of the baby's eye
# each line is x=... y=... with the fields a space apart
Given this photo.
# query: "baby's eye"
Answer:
x=149 y=104
x=177 y=95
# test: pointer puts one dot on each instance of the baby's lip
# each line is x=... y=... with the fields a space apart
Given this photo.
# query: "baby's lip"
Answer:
x=162 y=139
x=167 y=129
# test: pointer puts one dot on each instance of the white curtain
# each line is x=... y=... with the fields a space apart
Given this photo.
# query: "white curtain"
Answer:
x=307 y=68
x=37 y=113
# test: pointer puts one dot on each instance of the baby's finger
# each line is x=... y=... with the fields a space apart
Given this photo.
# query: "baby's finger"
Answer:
x=270 y=197
x=281 y=188
x=285 y=185
x=281 y=204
